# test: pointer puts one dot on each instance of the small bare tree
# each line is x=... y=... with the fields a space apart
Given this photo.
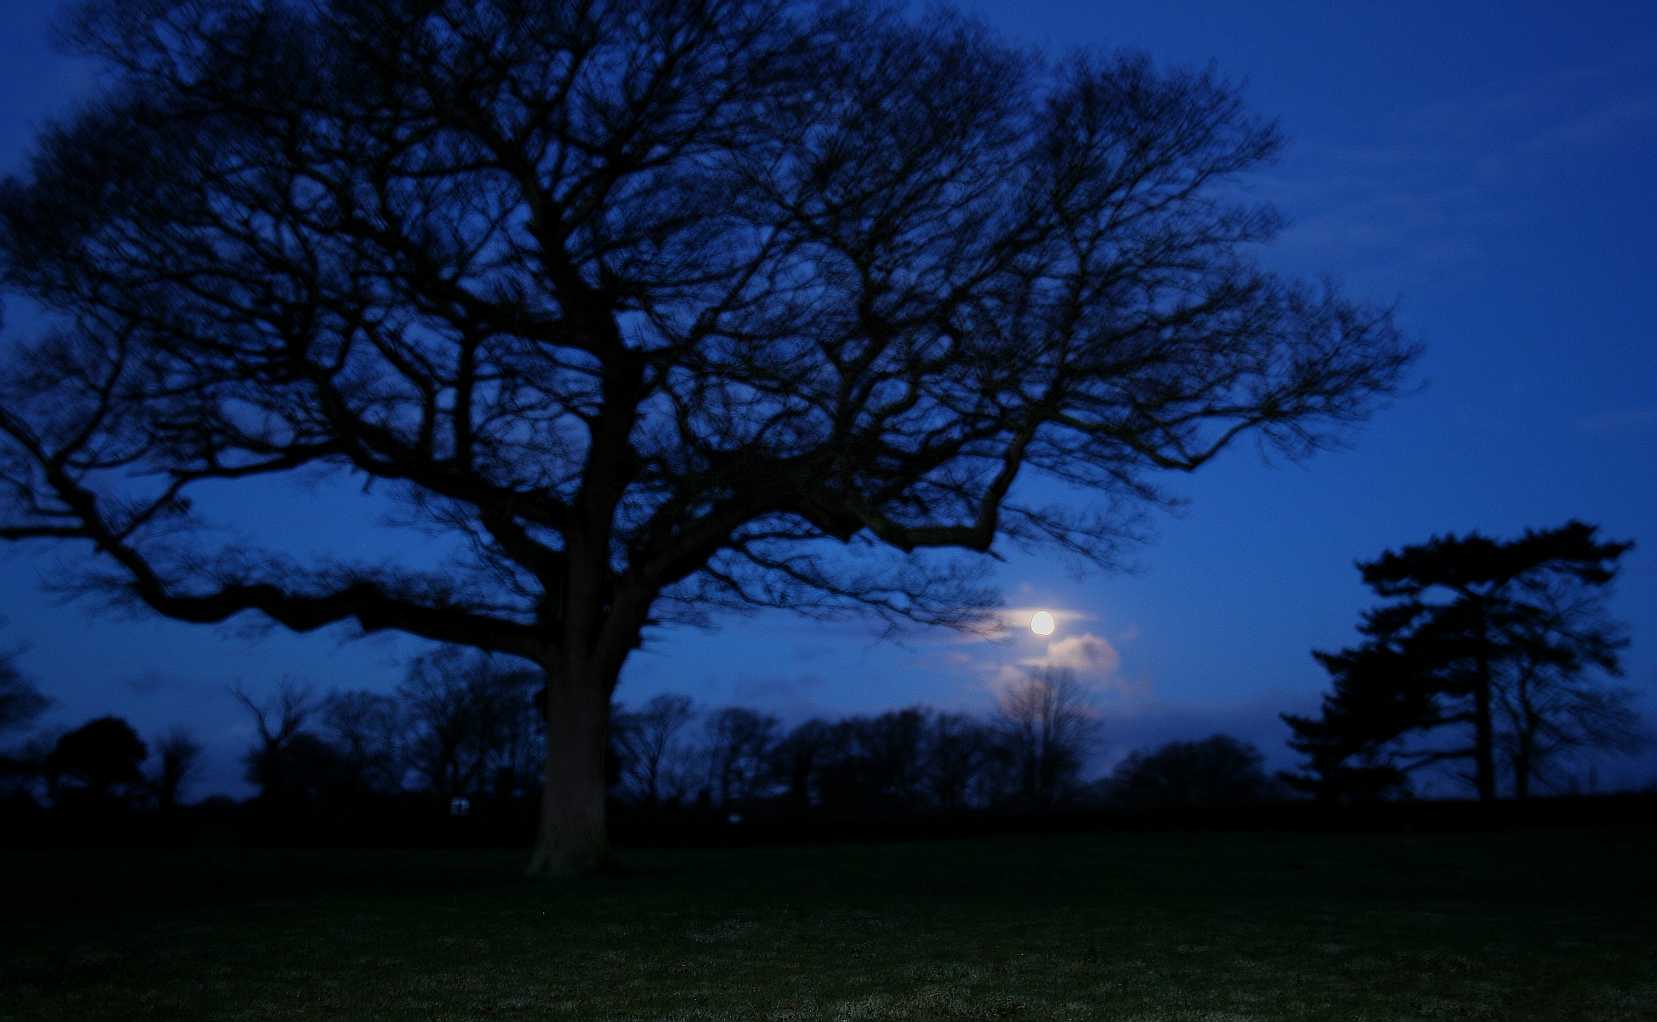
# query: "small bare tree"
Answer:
x=367 y=730
x=959 y=751
x=650 y=738
x=1048 y=721
x=1553 y=702
x=472 y=717
x=740 y=744
x=179 y=759
x=21 y=702
x=280 y=723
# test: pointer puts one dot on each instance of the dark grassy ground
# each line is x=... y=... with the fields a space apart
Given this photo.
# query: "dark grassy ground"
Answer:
x=1132 y=926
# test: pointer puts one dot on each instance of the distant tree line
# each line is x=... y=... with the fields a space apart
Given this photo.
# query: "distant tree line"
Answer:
x=462 y=732
x=1492 y=659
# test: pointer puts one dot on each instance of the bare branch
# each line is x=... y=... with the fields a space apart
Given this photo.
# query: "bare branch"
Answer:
x=679 y=303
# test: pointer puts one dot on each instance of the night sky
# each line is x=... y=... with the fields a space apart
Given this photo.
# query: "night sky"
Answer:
x=1486 y=166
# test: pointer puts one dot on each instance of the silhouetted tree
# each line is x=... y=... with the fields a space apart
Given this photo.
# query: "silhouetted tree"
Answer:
x=283 y=767
x=1047 y=722
x=874 y=763
x=1216 y=771
x=796 y=761
x=653 y=305
x=740 y=745
x=1375 y=698
x=960 y=755
x=307 y=774
x=515 y=733
x=101 y=757
x=473 y=724
x=178 y=759
x=894 y=744
x=21 y=703
x=366 y=729
x=1504 y=644
x=445 y=745
x=840 y=776
x=1554 y=699
x=650 y=738
x=901 y=760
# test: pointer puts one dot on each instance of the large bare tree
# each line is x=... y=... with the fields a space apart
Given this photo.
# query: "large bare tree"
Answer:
x=662 y=306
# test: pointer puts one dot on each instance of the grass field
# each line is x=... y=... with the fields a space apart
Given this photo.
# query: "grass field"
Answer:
x=1129 y=926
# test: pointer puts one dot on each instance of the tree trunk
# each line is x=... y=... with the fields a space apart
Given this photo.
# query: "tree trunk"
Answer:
x=1484 y=739
x=1524 y=757
x=1484 y=744
x=571 y=838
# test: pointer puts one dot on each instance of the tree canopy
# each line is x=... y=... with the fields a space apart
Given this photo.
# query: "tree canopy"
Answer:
x=99 y=756
x=1215 y=771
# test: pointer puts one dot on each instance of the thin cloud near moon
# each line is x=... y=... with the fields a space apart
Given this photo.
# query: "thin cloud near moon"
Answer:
x=1089 y=658
x=1017 y=619
x=1085 y=654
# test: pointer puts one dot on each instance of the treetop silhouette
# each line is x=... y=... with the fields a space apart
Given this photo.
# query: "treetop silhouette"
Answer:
x=1508 y=641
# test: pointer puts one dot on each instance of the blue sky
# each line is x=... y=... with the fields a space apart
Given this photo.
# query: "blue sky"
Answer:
x=1486 y=166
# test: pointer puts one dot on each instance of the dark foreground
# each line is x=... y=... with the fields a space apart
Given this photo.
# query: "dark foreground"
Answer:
x=1221 y=927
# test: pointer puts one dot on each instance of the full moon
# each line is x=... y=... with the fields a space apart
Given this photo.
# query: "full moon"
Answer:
x=1042 y=623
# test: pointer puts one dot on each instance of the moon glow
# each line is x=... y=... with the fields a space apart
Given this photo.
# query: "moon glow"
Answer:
x=1042 y=623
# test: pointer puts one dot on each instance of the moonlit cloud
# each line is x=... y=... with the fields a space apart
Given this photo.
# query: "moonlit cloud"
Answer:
x=1090 y=658
x=1085 y=654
